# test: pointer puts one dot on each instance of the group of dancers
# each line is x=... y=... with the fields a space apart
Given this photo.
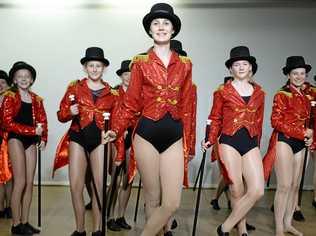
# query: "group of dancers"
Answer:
x=152 y=131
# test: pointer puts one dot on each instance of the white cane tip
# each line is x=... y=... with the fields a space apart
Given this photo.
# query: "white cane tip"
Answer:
x=208 y=122
x=106 y=115
x=313 y=103
x=39 y=124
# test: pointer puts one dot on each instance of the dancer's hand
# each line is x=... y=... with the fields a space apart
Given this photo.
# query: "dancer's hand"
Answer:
x=308 y=133
x=205 y=145
x=308 y=141
x=74 y=109
x=107 y=137
x=38 y=130
x=118 y=163
x=41 y=145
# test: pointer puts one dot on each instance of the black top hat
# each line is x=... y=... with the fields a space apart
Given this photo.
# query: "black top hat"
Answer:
x=4 y=75
x=124 y=67
x=295 y=62
x=162 y=10
x=241 y=53
x=177 y=46
x=19 y=66
x=94 y=54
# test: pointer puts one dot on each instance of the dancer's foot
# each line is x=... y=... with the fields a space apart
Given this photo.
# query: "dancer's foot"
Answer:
x=220 y=231
x=298 y=216
x=215 y=205
x=121 y=222
x=290 y=229
x=113 y=226
x=174 y=224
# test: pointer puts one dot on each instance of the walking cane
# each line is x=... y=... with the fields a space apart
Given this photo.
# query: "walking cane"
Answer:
x=197 y=177
x=311 y=120
x=106 y=116
x=200 y=180
x=39 y=184
x=113 y=188
x=137 y=201
x=73 y=102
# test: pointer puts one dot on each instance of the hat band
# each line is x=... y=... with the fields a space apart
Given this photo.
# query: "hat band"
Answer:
x=161 y=11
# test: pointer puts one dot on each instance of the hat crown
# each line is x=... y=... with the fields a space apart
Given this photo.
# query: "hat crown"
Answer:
x=161 y=7
x=295 y=61
x=125 y=63
x=94 y=52
x=240 y=51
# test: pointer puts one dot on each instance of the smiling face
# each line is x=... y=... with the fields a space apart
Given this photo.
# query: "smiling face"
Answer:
x=94 y=69
x=23 y=79
x=161 y=30
x=297 y=76
x=241 y=69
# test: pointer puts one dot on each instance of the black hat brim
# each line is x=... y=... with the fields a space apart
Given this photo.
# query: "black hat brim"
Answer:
x=86 y=59
x=121 y=71
x=175 y=20
x=286 y=70
x=21 y=67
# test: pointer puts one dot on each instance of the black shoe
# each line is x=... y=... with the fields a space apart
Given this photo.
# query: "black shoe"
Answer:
x=314 y=203
x=89 y=206
x=113 y=226
x=220 y=232
x=174 y=224
x=168 y=233
x=96 y=233
x=76 y=233
x=215 y=205
x=31 y=228
x=298 y=216
x=20 y=229
x=2 y=214
x=229 y=205
x=250 y=227
x=272 y=208
x=121 y=222
x=8 y=213
x=244 y=234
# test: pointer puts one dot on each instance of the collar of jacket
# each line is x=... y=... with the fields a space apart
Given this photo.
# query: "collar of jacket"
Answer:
x=84 y=85
x=230 y=89
x=154 y=58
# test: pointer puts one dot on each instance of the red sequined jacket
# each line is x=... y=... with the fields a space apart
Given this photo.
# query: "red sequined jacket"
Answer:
x=230 y=112
x=10 y=108
x=155 y=90
x=88 y=110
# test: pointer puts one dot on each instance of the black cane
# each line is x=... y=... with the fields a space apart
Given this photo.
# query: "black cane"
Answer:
x=200 y=180
x=39 y=185
x=197 y=177
x=137 y=200
x=106 y=116
x=73 y=102
x=313 y=103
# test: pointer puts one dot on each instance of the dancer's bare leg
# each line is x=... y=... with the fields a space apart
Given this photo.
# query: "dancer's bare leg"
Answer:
x=77 y=168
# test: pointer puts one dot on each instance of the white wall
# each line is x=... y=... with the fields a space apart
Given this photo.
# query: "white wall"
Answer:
x=55 y=41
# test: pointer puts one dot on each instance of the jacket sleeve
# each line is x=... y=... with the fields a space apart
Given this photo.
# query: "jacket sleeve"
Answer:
x=186 y=107
x=8 y=119
x=64 y=114
x=277 y=118
x=131 y=104
x=260 y=114
x=216 y=117
x=42 y=118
